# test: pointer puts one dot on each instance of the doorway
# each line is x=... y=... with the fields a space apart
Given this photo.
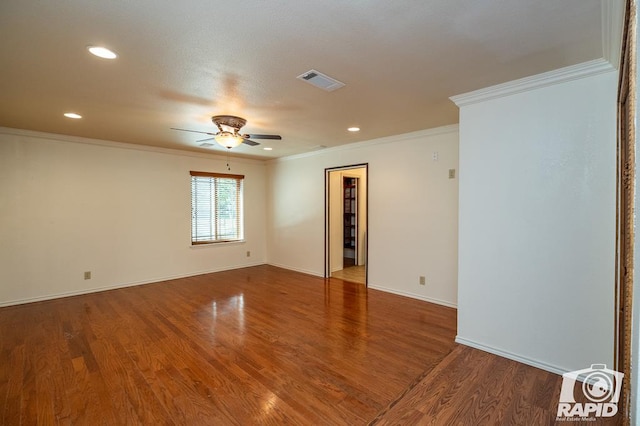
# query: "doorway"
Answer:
x=346 y=219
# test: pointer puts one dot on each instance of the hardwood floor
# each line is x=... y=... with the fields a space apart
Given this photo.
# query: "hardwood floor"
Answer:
x=258 y=345
x=354 y=274
x=472 y=387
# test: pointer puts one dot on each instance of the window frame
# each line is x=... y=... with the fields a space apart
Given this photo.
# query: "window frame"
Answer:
x=213 y=213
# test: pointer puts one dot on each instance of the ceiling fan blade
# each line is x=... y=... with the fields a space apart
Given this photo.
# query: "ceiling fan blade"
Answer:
x=250 y=142
x=194 y=131
x=204 y=140
x=254 y=136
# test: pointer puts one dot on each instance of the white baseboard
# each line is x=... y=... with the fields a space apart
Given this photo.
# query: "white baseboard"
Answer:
x=302 y=271
x=195 y=273
x=121 y=285
x=376 y=287
x=413 y=296
x=509 y=355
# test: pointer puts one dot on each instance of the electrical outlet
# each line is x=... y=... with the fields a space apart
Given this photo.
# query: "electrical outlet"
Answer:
x=248 y=253
x=87 y=275
x=452 y=173
x=423 y=280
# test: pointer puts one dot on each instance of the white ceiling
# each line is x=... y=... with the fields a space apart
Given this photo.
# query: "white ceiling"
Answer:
x=180 y=62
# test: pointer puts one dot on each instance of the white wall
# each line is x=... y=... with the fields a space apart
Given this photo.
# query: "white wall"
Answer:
x=412 y=211
x=537 y=219
x=121 y=212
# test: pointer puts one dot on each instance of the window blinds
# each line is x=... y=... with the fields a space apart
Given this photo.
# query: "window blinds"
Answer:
x=216 y=207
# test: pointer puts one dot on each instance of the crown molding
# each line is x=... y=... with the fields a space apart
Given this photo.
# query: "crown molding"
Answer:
x=452 y=128
x=612 y=28
x=120 y=145
x=562 y=75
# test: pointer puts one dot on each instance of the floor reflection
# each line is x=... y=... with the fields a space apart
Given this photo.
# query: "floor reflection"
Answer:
x=346 y=315
x=229 y=309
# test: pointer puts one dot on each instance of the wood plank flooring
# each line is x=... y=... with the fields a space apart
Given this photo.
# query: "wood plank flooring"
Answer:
x=472 y=387
x=354 y=274
x=258 y=345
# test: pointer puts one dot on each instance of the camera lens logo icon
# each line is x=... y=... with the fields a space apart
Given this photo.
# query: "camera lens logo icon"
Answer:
x=598 y=387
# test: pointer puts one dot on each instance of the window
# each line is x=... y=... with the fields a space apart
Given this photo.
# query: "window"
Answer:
x=216 y=207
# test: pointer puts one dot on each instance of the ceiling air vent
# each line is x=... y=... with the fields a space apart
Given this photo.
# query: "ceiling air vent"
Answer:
x=320 y=80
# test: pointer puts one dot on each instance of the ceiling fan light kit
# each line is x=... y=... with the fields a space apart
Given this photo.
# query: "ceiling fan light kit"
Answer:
x=228 y=139
x=228 y=134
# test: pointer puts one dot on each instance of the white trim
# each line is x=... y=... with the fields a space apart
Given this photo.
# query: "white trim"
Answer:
x=217 y=244
x=414 y=296
x=612 y=24
x=376 y=287
x=452 y=128
x=509 y=355
x=121 y=285
x=562 y=75
x=122 y=145
x=302 y=271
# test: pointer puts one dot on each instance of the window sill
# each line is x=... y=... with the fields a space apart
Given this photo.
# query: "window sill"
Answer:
x=217 y=244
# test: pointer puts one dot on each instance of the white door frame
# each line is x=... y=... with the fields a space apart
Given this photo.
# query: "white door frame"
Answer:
x=328 y=224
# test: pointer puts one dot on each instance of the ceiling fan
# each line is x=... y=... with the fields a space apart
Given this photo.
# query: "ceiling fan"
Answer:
x=228 y=134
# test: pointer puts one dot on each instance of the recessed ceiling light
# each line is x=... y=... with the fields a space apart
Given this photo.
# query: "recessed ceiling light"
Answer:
x=72 y=115
x=354 y=129
x=102 y=52
x=266 y=148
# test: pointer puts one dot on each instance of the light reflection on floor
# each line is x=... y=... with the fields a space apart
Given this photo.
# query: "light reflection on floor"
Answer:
x=232 y=308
